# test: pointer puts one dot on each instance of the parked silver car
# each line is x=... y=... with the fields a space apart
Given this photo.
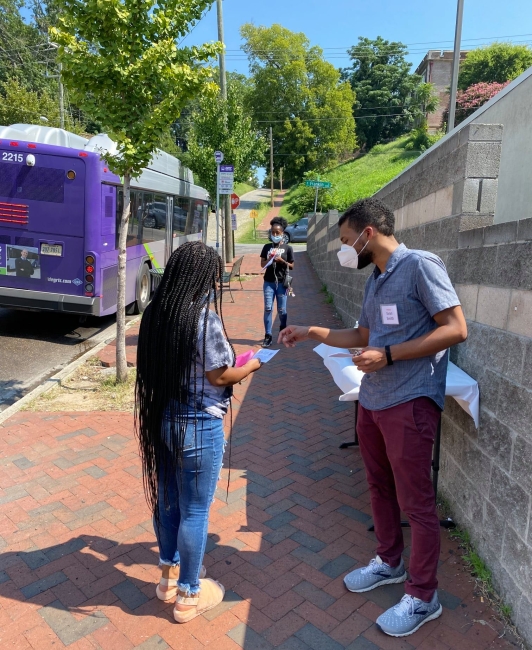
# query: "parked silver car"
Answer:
x=297 y=232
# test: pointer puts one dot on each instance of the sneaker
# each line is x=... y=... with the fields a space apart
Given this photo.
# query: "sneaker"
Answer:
x=377 y=573
x=408 y=615
x=267 y=341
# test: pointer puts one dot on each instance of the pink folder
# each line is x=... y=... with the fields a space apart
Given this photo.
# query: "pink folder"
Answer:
x=243 y=358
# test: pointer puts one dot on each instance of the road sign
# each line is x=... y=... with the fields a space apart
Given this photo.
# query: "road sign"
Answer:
x=319 y=184
x=234 y=225
x=253 y=214
x=235 y=201
x=218 y=157
x=226 y=178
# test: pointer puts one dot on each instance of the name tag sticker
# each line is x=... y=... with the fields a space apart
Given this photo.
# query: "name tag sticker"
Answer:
x=389 y=315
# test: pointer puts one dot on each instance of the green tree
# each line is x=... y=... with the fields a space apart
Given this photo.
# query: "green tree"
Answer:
x=20 y=105
x=123 y=66
x=389 y=99
x=498 y=62
x=224 y=126
x=302 y=97
x=24 y=51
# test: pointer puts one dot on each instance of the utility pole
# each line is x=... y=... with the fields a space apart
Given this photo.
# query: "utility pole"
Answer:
x=271 y=165
x=227 y=255
x=281 y=178
x=61 y=99
x=456 y=65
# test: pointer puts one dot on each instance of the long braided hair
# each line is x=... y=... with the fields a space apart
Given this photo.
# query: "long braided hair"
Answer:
x=166 y=359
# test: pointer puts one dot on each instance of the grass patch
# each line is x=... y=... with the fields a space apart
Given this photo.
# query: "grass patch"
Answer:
x=91 y=388
x=243 y=188
x=353 y=180
x=479 y=570
x=328 y=296
x=291 y=218
x=245 y=234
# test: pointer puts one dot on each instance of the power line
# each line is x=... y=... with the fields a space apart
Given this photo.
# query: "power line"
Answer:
x=465 y=40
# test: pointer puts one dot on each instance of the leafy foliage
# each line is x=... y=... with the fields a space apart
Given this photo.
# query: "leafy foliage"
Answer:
x=225 y=126
x=389 y=99
x=122 y=66
x=354 y=180
x=302 y=97
x=24 y=51
x=495 y=63
x=468 y=101
x=420 y=139
x=20 y=105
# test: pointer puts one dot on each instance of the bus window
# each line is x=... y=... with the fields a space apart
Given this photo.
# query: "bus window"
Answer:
x=181 y=210
x=133 y=231
x=199 y=210
x=153 y=217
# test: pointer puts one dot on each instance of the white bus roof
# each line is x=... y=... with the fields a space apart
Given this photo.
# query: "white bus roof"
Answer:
x=161 y=163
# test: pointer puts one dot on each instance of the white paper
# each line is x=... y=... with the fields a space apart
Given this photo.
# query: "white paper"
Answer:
x=268 y=263
x=265 y=355
x=348 y=378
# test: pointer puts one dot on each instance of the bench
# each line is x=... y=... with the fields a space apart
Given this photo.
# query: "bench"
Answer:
x=263 y=234
x=229 y=276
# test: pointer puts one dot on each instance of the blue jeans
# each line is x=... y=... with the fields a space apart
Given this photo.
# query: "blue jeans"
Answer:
x=271 y=290
x=183 y=522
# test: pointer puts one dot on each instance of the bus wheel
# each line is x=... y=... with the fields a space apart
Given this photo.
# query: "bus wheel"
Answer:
x=143 y=291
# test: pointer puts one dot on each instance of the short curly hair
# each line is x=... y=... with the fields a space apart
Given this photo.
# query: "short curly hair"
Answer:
x=279 y=221
x=369 y=212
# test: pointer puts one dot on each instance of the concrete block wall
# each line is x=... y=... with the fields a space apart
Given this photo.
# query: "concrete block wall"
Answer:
x=486 y=473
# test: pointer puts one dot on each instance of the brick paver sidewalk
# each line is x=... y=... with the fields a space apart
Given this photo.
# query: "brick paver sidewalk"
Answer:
x=274 y=212
x=78 y=560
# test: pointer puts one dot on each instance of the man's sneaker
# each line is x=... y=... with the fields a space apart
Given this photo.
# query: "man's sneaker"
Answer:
x=377 y=573
x=267 y=341
x=408 y=615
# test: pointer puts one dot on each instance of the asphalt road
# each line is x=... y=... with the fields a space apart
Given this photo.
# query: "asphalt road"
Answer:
x=36 y=345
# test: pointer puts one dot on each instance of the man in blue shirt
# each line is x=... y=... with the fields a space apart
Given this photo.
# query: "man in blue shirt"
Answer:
x=410 y=316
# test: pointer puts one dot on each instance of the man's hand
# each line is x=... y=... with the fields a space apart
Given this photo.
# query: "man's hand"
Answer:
x=370 y=360
x=293 y=334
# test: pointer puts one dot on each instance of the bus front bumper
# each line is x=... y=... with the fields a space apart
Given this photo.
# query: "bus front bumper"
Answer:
x=46 y=301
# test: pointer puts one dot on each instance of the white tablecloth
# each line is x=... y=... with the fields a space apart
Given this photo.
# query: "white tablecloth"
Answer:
x=347 y=377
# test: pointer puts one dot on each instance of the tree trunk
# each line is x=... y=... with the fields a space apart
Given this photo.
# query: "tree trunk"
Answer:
x=121 y=362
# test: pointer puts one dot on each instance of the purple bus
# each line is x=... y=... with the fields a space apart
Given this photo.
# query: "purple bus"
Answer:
x=60 y=208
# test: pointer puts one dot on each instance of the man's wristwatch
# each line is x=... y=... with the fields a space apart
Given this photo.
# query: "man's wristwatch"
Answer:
x=389 y=359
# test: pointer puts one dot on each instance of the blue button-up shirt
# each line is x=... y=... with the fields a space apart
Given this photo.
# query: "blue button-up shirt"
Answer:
x=417 y=286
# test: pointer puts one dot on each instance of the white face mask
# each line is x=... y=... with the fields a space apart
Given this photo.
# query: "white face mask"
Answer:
x=348 y=256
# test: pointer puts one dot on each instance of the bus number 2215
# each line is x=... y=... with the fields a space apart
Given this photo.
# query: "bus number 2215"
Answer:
x=8 y=156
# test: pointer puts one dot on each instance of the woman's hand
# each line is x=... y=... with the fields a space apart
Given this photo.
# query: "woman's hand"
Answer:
x=253 y=365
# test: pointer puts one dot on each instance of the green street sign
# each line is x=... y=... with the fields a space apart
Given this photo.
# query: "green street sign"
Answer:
x=320 y=184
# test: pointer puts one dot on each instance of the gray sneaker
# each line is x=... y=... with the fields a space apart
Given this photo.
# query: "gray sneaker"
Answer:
x=408 y=615
x=377 y=573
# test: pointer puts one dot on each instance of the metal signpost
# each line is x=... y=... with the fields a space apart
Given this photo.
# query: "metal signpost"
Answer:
x=317 y=184
x=218 y=158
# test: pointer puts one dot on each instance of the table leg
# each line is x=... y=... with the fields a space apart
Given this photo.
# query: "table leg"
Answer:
x=345 y=445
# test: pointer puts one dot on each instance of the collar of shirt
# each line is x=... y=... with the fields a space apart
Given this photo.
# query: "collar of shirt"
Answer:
x=392 y=262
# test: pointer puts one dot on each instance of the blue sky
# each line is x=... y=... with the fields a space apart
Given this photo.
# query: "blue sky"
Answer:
x=336 y=24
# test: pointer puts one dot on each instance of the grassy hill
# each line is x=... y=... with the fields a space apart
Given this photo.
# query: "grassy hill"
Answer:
x=353 y=180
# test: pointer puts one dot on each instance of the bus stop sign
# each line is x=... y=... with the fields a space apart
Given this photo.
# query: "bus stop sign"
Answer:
x=235 y=201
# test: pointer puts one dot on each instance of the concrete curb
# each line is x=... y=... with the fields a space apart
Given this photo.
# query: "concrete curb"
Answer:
x=107 y=336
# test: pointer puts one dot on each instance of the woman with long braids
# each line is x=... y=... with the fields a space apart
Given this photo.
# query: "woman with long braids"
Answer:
x=185 y=374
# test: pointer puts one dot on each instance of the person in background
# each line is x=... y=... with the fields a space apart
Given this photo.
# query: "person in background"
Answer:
x=23 y=266
x=279 y=256
x=410 y=316
x=185 y=374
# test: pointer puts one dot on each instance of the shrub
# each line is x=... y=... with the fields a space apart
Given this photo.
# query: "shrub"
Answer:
x=468 y=101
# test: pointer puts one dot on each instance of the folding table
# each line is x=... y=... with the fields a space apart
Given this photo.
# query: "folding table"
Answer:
x=348 y=377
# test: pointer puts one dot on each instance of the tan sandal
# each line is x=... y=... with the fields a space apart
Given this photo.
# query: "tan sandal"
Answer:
x=167 y=588
x=211 y=594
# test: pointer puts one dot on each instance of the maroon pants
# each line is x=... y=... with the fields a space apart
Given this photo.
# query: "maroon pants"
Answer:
x=396 y=446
